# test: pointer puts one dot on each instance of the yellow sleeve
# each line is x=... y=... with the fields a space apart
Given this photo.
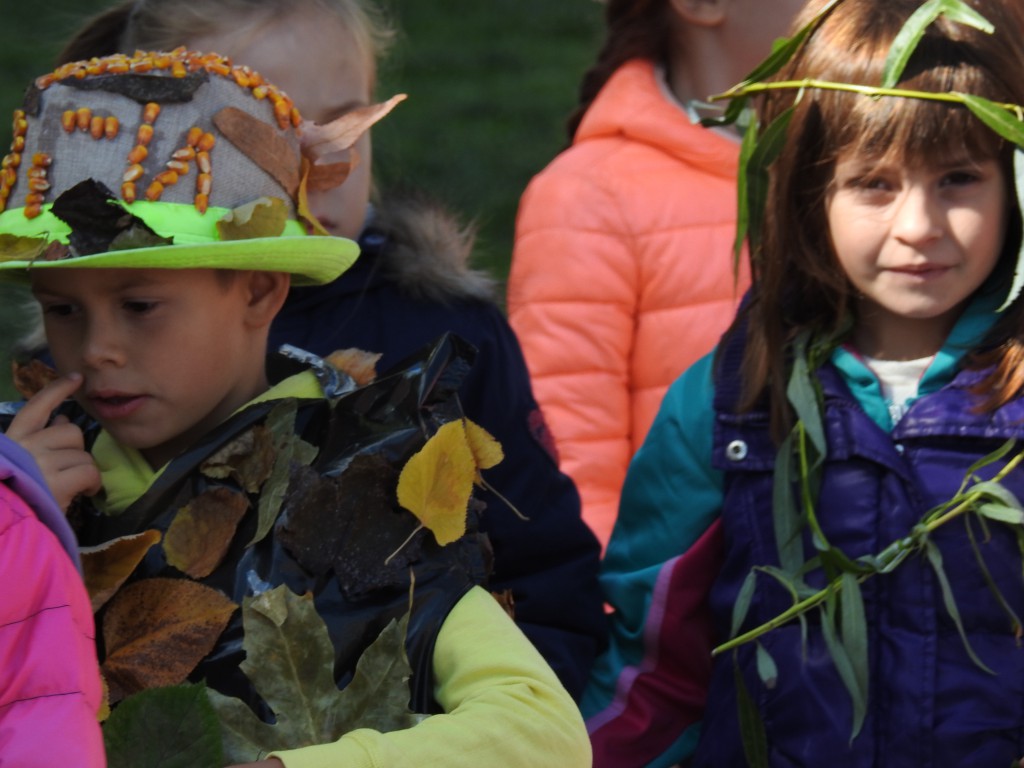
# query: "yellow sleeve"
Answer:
x=503 y=706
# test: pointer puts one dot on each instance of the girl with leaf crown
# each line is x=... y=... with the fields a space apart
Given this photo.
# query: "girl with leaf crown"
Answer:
x=818 y=554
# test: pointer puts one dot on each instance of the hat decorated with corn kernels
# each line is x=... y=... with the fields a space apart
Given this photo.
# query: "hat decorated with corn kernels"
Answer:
x=170 y=160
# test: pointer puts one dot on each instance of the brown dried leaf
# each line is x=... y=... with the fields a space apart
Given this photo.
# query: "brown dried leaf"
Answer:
x=342 y=133
x=357 y=363
x=249 y=459
x=107 y=566
x=262 y=143
x=157 y=630
x=264 y=217
x=349 y=523
x=202 y=530
x=31 y=377
x=328 y=176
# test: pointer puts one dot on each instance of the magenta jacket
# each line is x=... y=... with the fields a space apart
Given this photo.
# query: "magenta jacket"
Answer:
x=49 y=679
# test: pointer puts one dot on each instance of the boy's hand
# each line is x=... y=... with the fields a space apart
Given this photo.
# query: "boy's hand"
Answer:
x=58 y=448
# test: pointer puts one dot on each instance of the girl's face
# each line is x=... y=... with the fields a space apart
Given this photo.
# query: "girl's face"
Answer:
x=313 y=58
x=142 y=340
x=916 y=242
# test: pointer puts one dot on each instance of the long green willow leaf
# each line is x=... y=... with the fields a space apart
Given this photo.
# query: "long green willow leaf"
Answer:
x=854 y=626
x=766 y=669
x=844 y=664
x=991 y=582
x=755 y=742
x=1018 y=268
x=742 y=604
x=935 y=558
x=995 y=116
x=747 y=147
x=786 y=517
x=913 y=30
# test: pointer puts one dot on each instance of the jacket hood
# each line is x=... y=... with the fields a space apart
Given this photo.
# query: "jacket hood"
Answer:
x=425 y=250
x=625 y=109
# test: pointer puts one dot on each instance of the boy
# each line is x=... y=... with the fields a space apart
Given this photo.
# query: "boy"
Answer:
x=156 y=203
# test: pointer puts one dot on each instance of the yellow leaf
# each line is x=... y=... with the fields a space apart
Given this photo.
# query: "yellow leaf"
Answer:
x=437 y=481
x=486 y=450
x=15 y=248
x=106 y=566
x=264 y=217
x=202 y=530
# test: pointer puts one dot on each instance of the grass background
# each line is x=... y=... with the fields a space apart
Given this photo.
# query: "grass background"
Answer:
x=490 y=83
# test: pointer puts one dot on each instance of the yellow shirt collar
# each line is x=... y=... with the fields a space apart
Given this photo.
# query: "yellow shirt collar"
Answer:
x=127 y=475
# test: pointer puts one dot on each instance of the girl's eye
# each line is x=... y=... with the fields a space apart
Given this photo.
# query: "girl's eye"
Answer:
x=960 y=178
x=874 y=183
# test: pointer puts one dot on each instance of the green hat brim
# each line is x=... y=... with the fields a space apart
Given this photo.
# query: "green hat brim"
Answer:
x=310 y=259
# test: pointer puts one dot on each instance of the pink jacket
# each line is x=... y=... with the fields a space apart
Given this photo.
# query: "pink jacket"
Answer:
x=622 y=275
x=49 y=678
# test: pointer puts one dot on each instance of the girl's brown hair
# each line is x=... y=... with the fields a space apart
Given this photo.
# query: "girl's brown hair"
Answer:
x=635 y=29
x=798 y=283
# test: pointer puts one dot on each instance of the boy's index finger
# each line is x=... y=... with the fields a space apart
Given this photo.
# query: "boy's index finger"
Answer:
x=35 y=414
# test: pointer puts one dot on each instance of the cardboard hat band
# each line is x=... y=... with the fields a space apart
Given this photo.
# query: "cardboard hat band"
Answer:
x=181 y=140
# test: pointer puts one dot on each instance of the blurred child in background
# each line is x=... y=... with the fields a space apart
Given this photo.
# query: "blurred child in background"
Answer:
x=622 y=271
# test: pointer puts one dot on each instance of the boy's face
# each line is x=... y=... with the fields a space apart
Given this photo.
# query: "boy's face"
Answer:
x=313 y=58
x=165 y=354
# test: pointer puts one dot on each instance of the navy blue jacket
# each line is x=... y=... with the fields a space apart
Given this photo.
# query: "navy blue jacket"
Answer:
x=550 y=563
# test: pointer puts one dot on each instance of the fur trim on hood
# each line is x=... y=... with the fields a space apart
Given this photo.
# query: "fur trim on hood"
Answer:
x=428 y=251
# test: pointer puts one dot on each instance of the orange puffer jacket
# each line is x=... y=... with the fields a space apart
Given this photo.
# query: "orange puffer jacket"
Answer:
x=622 y=275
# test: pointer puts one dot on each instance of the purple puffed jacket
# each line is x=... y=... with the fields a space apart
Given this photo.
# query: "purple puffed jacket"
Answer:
x=929 y=704
x=50 y=688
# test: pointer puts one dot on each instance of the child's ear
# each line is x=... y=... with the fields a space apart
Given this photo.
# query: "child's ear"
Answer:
x=266 y=292
x=701 y=13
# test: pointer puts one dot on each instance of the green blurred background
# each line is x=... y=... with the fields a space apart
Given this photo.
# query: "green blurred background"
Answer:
x=490 y=83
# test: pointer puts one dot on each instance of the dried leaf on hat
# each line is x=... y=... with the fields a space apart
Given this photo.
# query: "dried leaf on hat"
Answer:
x=31 y=376
x=144 y=88
x=340 y=134
x=328 y=176
x=290 y=661
x=14 y=248
x=202 y=530
x=249 y=459
x=157 y=630
x=262 y=143
x=350 y=523
x=357 y=363
x=264 y=217
x=302 y=208
x=107 y=566
x=167 y=727
x=99 y=221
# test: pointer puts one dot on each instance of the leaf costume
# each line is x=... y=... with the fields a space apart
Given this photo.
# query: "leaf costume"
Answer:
x=337 y=520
